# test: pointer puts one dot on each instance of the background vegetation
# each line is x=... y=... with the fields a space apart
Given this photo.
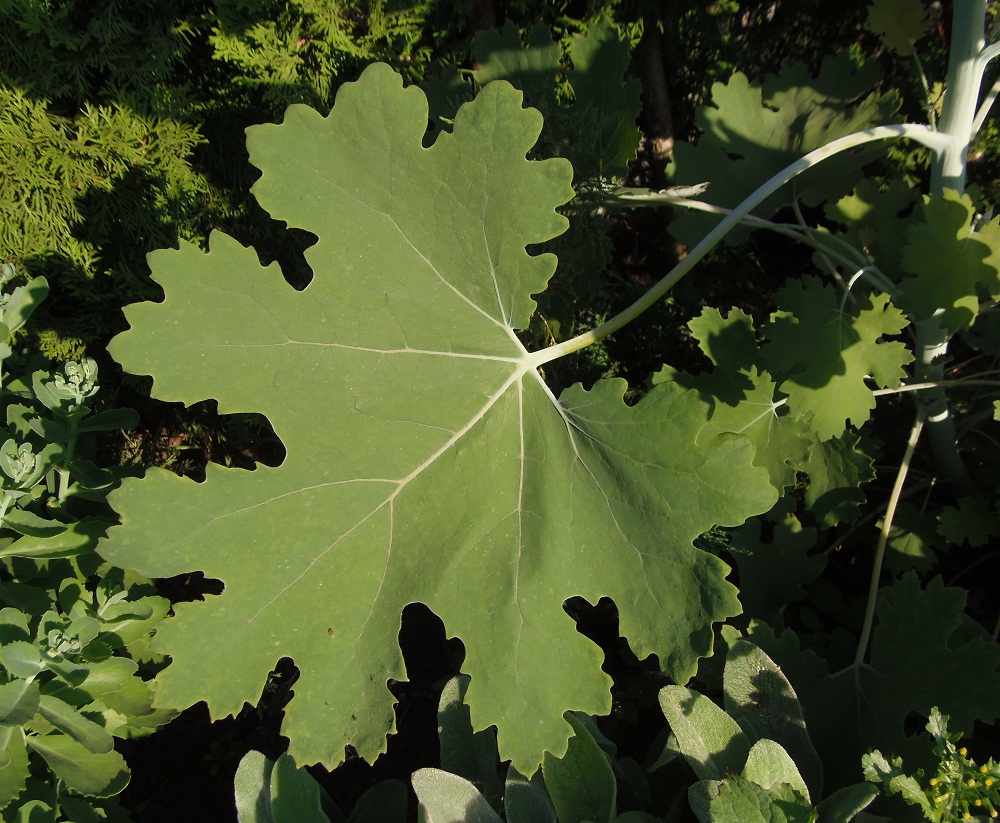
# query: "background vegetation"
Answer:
x=122 y=131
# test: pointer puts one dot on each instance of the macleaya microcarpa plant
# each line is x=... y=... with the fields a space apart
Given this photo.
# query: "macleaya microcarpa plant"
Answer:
x=428 y=460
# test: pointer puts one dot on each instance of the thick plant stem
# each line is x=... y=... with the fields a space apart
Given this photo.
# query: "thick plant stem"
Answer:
x=883 y=537
x=965 y=74
x=922 y=134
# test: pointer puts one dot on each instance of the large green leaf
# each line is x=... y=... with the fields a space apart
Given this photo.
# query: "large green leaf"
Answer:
x=875 y=220
x=738 y=800
x=774 y=571
x=597 y=132
x=711 y=741
x=426 y=458
x=448 y=798
x=760 y=698
x=467 y=753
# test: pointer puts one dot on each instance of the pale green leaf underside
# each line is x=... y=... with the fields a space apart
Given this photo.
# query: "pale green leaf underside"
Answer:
x=426 y=459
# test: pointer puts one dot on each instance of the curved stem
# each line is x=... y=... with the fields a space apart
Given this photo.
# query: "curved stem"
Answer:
x=921 y=133
x=984 y=109
x=936 y=384
x=991 y=52
x=883 y=537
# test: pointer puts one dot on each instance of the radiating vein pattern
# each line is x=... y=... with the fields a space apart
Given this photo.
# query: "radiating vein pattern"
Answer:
x=426 y=460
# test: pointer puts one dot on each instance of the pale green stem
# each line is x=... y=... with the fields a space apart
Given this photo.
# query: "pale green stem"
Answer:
x=937 y=384
x=991 y=52
x=883 y=537
x=920 y=133
x=824 y=259
x=63 y=473
x=984 y=109
x=852 y=259
x=966 y=65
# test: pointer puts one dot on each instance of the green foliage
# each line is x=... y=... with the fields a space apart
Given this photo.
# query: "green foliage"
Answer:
x=71 y=185
x=898 y=23
x=270 y=791
x=824 y=352
x=749 y=757
x=943 y=239
x=773 y=572
x=121 y=131
x=428 y=458
x=960 y=788
x=71 y=628
x=411 y=323
x=755 y=130
x=924 y=652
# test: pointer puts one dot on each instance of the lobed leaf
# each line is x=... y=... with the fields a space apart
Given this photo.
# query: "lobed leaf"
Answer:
x=426 y=458
x=898 y=23
x=825 y=351
x=943 y=241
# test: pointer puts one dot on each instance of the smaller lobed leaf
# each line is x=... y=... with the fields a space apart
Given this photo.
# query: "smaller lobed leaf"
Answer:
x=898 y=23
x=821 y=351
x=943 y=240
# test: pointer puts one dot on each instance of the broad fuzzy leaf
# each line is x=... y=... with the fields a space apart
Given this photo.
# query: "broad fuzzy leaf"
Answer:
x=448 y=798
x=468 y=754
x=426 y=458
x=711 y=741
x=768 y=765
x=943 y=241
x=760 y=698
x=581 y=783
x=825 y=349
x=739 y=800
x=924 y=653
x=753 y=131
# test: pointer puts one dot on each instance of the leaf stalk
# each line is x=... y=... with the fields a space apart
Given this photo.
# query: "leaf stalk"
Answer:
x=883 y=537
